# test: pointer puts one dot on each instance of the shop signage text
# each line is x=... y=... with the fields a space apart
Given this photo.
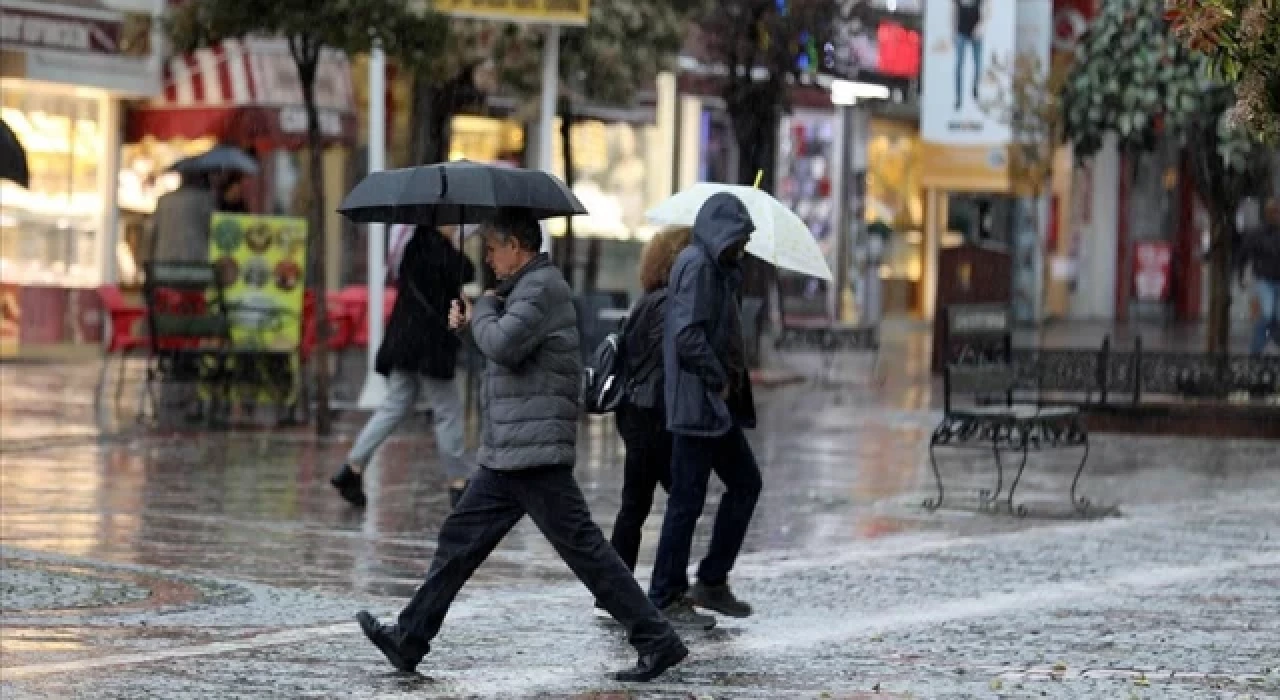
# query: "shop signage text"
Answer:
x=43 y=30
x=567 y=12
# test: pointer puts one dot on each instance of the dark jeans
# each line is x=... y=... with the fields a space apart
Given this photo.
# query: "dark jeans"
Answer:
x=975 y=48
x=692 y=461
x=648 y=464
x=492 y=504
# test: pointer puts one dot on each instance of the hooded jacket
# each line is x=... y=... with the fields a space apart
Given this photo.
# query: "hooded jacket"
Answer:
x=702 y=343
x=528 y=335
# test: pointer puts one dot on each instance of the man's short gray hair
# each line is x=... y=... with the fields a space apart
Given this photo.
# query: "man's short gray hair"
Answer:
x=516 y=225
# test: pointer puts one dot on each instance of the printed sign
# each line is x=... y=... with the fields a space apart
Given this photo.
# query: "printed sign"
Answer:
x=86 y=31
x=1152 y=263
x=261 y=263
x=566 y=12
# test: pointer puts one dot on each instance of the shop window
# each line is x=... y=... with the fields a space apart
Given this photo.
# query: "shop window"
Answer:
x=49 y=232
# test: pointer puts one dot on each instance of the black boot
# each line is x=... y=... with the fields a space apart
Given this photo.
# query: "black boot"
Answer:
x=387 y=639
x=651 y=665
x=350 y=484
x=718 y=598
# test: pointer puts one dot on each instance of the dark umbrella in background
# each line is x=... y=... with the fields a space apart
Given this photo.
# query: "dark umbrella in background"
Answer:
x=460 y=192
x=221 y=158
x=13 y=157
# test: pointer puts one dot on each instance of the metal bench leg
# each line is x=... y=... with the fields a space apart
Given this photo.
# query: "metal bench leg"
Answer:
x=1081 y=505
x=1022 y=441
x=929 y=503
x=992 y=498
x=124 y=362
x=102 y=379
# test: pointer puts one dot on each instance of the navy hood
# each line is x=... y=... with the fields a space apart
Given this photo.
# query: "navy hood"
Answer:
x=722 y=222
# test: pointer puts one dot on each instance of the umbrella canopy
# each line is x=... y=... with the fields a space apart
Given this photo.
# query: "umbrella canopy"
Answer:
x=220 y=158
x=13 y=157
x=460 y=192
x=781 y=238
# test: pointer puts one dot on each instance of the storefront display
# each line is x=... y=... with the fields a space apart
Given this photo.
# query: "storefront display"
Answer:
x=50 y=229
x=67 y=68
x=892 y=204
x=806 y=154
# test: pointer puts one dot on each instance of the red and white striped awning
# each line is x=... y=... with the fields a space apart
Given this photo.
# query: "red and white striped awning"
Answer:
x=247 y=92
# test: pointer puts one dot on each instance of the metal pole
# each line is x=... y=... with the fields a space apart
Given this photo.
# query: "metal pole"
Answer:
x=840 y=171
x=547 y=111
x=375 y=387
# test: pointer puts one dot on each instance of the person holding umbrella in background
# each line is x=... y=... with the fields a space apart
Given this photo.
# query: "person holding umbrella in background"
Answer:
x=708 y=403
x=419 y=351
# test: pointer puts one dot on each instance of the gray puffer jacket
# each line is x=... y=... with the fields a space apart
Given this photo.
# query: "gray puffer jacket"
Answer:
x=528 y=335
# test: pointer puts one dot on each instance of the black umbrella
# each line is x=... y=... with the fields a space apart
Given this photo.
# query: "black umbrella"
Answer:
x=220 y=158
x=461 y=192
x=13 y=157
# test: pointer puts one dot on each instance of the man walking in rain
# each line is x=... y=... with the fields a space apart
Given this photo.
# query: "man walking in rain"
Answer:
x=526 y=329
x=709 y=402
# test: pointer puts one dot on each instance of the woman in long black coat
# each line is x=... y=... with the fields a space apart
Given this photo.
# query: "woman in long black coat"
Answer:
x=419 y=352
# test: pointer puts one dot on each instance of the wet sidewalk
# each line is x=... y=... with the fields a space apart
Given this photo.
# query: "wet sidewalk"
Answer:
x=199 y=565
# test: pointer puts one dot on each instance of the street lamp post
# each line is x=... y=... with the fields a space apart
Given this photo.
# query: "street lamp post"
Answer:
x=375 y=387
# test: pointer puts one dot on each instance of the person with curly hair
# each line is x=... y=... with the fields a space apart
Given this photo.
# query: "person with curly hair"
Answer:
x=641 y=417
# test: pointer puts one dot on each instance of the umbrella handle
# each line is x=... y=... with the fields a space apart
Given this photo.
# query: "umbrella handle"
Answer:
x=759 y=177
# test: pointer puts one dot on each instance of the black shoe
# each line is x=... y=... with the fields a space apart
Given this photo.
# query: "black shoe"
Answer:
x=719 y=599
x=350 y=484
x=681 y=614
x=650 y=666
x=384 y=637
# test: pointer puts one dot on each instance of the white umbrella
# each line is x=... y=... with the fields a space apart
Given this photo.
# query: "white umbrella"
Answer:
x=781 y=238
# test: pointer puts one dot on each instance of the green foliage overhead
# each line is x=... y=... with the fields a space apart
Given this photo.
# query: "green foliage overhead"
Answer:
x=1134 y=78
x=309 y=25
x=1241 y=38
x=617 y=55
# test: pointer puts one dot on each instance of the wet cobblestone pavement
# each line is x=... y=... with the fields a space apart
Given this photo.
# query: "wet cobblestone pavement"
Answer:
x=221 y=565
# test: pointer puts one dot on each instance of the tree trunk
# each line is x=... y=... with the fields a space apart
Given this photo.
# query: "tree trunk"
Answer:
x=755 y=129
x=434 y=106
x=1222 y=236
x=566 y=149
x=316 y=252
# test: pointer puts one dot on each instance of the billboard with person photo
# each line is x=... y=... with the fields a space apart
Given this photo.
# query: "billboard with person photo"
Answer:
x=963 y=39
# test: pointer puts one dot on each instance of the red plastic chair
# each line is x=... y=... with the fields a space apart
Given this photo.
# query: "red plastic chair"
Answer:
x=125 y=319
x=356 y=301
x=340 y=330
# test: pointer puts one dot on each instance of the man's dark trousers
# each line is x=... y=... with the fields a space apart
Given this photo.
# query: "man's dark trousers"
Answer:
x=492 y=504
x=692 y=461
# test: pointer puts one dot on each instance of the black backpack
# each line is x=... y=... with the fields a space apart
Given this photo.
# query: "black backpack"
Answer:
x=604 y=380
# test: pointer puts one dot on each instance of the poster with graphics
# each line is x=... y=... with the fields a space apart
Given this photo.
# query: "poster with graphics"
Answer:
x=963 y=39
x=261 y=265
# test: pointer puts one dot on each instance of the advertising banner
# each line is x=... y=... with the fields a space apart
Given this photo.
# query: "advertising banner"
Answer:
x=962 y=40
x=565 y=12
x=261 y=263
